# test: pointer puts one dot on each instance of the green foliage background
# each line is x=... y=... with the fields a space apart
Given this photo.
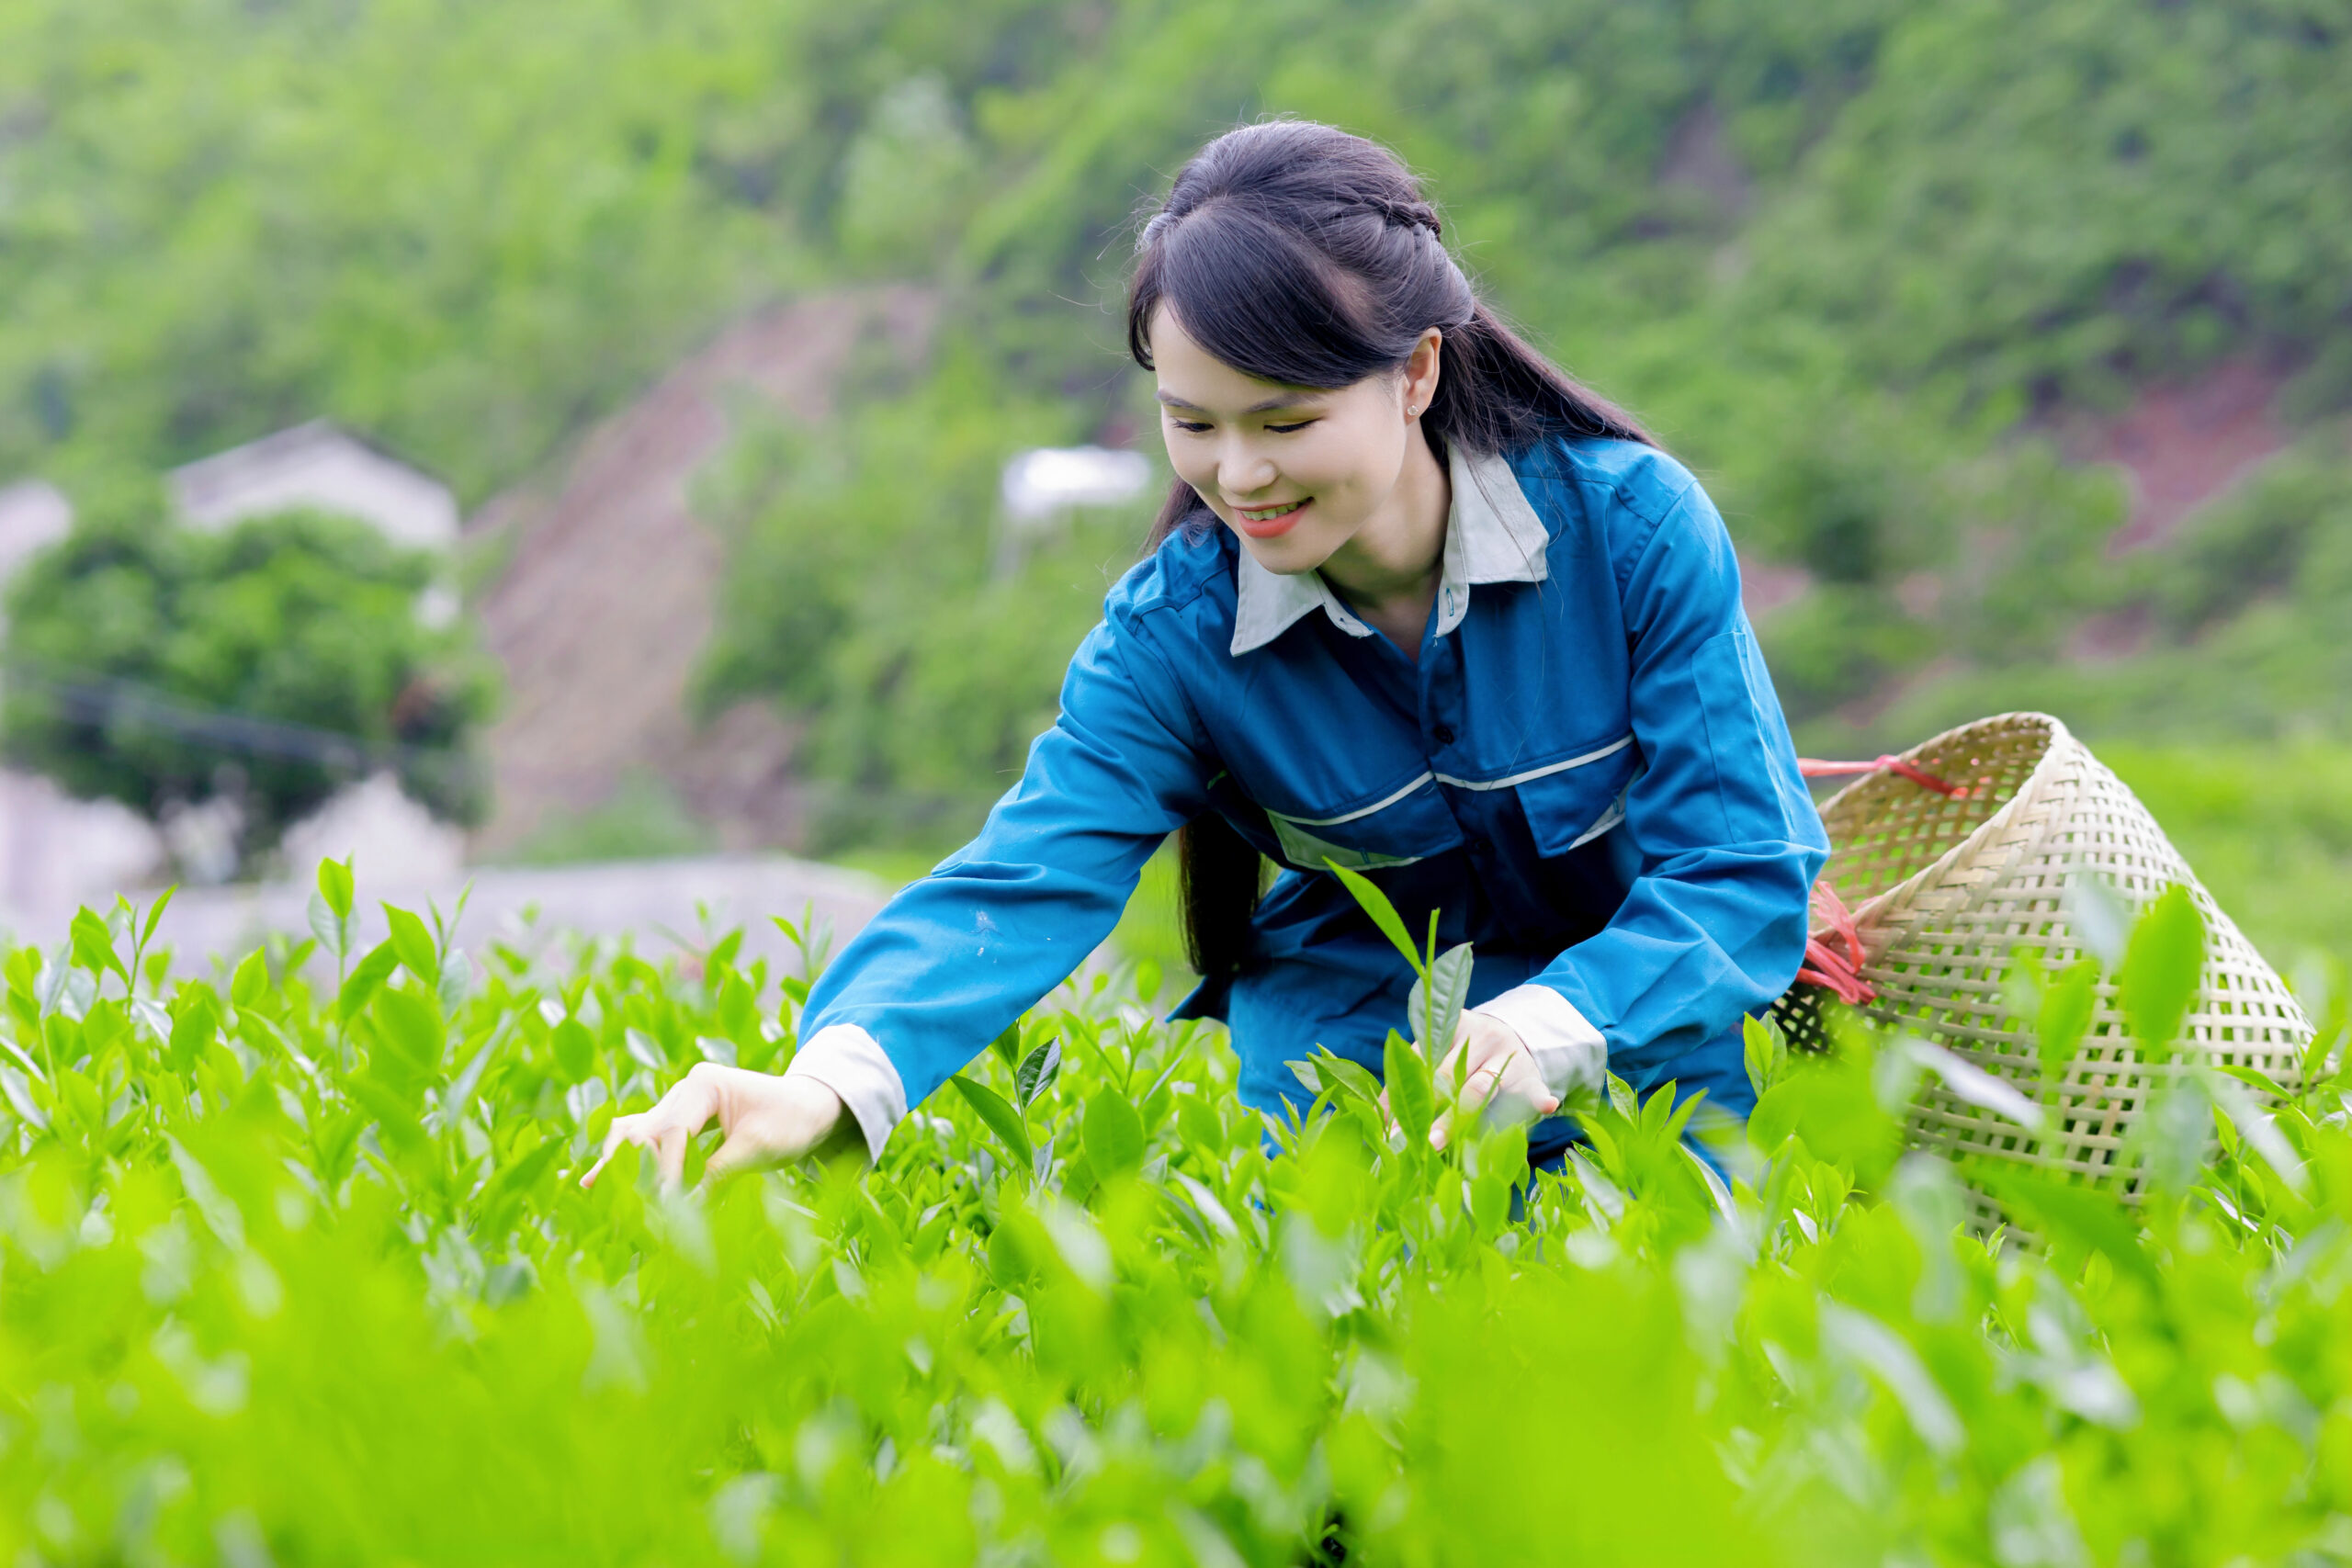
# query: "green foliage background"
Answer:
x=302 y=619
x=1858 y=262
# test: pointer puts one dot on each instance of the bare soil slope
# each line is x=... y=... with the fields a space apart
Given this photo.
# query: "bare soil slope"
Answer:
x=607 y=598
x=2183 y=445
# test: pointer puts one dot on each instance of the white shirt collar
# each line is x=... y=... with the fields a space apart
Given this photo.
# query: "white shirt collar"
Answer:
x=1492 y=535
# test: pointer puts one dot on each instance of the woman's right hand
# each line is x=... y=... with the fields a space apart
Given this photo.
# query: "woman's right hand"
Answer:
x=764 y=1118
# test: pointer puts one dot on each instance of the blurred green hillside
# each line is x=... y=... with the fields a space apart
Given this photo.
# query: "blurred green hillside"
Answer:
x=1880 y=273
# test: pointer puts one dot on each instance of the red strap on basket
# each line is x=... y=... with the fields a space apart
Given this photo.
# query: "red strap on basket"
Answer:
x=1895 y=765
x=1836 y=973
x=1841 y=974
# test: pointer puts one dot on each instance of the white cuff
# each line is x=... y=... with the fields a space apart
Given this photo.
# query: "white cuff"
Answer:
x=846 y=1059
x=1569 y=1051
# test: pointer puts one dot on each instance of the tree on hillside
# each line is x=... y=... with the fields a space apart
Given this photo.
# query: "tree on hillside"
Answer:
x=268 y=665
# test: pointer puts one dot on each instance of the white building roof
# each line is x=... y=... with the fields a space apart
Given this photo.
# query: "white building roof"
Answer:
x=317 y=466
x=1047 y=480
x=33 y=515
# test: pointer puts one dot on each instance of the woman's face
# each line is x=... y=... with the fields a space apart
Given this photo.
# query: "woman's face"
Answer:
x=1296 y=471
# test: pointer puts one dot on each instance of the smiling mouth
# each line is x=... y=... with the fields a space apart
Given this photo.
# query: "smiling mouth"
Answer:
x=1266 y=522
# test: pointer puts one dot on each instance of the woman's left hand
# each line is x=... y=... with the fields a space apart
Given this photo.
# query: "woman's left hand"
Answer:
x=1500 y=1082
x=1499 y=1077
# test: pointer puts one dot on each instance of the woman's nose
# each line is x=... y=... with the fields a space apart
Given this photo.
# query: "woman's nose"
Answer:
x=1240 y=472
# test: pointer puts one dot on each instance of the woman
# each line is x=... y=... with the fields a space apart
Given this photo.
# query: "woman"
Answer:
x=1417 y=606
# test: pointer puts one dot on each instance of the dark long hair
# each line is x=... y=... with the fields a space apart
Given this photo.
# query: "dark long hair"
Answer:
x=1303 y=255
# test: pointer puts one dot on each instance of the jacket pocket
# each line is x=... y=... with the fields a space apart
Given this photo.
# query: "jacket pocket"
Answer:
x=1571 y=808
x=1408 y=825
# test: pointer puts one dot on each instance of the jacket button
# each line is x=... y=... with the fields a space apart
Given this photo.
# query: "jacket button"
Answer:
x=1442 y=736
x=1482 y=847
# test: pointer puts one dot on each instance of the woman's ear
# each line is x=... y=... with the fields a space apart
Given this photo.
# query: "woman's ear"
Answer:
x=1419 y=380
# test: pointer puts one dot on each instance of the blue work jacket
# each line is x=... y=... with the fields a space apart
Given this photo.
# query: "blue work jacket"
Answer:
x=1585 y=773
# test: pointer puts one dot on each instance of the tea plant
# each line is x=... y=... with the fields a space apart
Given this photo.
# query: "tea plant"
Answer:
x=292 y=1269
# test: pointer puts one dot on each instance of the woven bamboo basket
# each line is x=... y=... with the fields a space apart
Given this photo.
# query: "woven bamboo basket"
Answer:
x=1946 y=891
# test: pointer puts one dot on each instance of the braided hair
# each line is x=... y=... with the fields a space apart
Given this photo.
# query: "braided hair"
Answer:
x=1303 y=255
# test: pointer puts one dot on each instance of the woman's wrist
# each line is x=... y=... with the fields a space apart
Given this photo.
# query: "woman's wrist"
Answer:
x=849 y=1061
x=1566 y=1049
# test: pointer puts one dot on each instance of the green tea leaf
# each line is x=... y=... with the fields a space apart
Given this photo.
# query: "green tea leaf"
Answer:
x=414 y=945
x=1767 y=1053
x=1683 y=1110
x=1971 y=1084
x=1435 y=1022
x=468 y=1079
x=366 y=977
x=1622 y=1096
x=330 y=929
x=334 y=887
x=1383 y=914
x=194 y=1024
x=79 y=1096
x=1412 y=1099
x=1036 y=1073
x=250 y=982
x=456 y=973
x=1341 y=1079
x=393 y=1109
x=2102 y=922
x=1111 y=1134
x=1002 y=1118
x=155 y=914
x=2260 y=1130
x=508 y=1188
x=644 y=1050
x=93 y=946
x=2162 y=969
x=575 y=1049
x=2067 y=1002
x=409 y=1027
x=2085 y=1216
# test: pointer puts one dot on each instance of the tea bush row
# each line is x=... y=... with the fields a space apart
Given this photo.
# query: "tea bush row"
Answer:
x=293 y=1268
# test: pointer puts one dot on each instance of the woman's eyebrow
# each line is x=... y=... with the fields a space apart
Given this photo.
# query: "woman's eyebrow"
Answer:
x=1281 y=401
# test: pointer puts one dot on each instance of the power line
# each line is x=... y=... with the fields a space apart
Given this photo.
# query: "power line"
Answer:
x=102 y=701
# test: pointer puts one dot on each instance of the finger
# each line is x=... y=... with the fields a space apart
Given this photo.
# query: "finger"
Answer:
x=619 y=1133
x=1521 y=1096
x=670 y=1155
x=1480 y=1086
x=746 y=1147
x=737 y=1153
x=1477 y=1090
x=1522 y=1081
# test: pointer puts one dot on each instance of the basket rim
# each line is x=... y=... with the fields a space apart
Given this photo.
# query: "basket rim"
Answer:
x=1866 y=912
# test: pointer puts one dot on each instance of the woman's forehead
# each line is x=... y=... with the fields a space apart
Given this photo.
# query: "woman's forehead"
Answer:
x=1191 y=377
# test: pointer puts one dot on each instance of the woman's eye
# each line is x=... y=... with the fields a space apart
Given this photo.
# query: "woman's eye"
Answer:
x=1287 y=429
x=1196 y=426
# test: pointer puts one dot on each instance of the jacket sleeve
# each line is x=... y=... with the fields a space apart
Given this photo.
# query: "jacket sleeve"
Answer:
x=955 y=958
x=1727 y=837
